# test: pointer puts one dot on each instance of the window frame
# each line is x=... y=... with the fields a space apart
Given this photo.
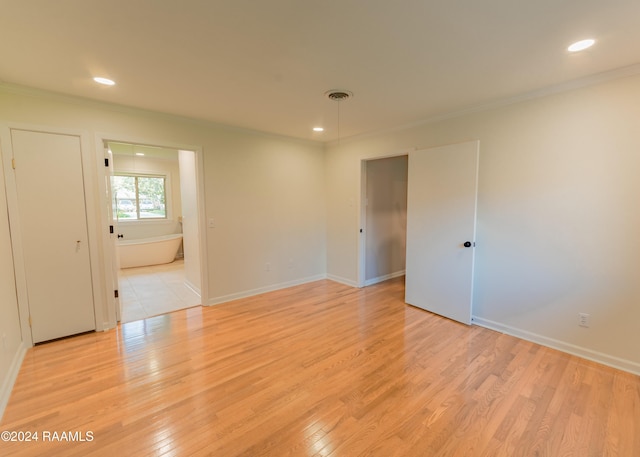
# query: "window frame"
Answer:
x=167 y=193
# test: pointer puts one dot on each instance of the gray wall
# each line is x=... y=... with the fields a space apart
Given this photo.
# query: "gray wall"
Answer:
x=386 y=217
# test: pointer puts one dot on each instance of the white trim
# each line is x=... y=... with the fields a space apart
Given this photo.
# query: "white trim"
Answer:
x=11 y=376
x=16 y=234
x=586 y=81
x=168 y=196
x=370 y=282
x=192 y=287
x=147 y=221
x=203 y=291
x=89 y=178
x=88 y=164
x=109 y=256
x=589 y=354
x=101 y=139
x=362 y=211
x=475 y=230
x=341 y=280
x=261 y=290
x=567 y=86
x=362 y=226
x=77 y=100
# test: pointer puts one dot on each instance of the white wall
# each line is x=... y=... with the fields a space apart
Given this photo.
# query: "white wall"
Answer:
x=125 y=161
x=268 y=206
x=386 y=217
x=265 y=191
x=558 y=217
x=11 y=348
x=557 y=208
x=190 y=222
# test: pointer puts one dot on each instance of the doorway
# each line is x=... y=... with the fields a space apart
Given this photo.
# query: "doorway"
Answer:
x=155 y=199
x=384 y=216
x=439 y=228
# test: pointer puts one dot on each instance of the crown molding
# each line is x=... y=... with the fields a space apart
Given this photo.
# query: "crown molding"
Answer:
x=567 y=86
x=28 y=91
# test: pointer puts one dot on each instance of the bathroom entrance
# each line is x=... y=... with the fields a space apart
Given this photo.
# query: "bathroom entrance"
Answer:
x=154 y=203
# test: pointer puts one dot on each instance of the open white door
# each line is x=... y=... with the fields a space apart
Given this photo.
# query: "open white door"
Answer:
x=441 y=223
x=113 y=230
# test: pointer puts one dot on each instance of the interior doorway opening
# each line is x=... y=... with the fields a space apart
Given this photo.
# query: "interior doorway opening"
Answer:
x=384 y=219
x=154 y=203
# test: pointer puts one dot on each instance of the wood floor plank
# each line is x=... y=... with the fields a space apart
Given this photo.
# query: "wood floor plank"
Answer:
x=318 y=369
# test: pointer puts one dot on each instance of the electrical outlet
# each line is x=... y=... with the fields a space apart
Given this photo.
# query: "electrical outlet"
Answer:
x=267 y=267
x=584 y=319
x=290 y=263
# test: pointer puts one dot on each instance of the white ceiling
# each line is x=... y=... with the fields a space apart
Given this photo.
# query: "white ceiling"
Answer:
x=266 y=64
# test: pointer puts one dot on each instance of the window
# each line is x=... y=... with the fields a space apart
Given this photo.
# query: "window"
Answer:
x=139 y=197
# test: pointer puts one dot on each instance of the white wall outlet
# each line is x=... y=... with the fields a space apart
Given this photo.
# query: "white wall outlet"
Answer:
x=584 y=319
x=211 y=223
x=290 y=263
x=267 y=267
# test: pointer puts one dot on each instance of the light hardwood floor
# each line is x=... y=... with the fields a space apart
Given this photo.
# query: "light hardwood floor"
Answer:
x=319 y=369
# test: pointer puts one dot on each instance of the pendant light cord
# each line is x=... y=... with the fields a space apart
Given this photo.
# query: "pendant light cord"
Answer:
x=338 y=96
x=338 y=124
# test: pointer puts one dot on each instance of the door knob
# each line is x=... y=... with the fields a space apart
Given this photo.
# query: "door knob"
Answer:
x=467 y=244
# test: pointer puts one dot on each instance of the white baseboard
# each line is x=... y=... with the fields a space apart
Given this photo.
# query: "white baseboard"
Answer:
x=192 y=286
x=595 y=356
x=345 y=281
x=371 y=282
x=262 y=290
x=11 y=376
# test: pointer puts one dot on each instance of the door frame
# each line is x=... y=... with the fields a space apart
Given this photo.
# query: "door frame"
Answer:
x=88 y=158
x=112 y=259
x=101 y=139
x=362 y=213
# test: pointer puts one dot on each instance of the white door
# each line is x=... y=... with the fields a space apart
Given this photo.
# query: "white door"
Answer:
x=53 y=224
x=113 y=235
x=441 y=221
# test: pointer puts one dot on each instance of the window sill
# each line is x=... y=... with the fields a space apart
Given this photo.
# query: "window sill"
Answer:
x=146 y=221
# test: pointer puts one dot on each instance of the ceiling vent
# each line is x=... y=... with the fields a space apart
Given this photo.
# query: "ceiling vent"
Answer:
x=339 y=95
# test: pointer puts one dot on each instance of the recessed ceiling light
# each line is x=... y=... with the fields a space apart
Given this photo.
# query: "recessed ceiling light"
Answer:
x=581 y=45
x=105 y=81
x=318 y=129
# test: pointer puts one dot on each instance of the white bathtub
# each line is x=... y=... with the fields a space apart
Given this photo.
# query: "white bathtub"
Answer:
x=149 y=251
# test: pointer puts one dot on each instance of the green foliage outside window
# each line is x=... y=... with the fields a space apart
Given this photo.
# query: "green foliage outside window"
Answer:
x=139 y=197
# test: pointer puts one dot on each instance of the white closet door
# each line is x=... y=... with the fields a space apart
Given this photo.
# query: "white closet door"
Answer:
x=441 y=221
x=53 y=226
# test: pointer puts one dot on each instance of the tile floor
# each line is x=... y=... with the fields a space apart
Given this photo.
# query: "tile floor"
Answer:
x=154 y=290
